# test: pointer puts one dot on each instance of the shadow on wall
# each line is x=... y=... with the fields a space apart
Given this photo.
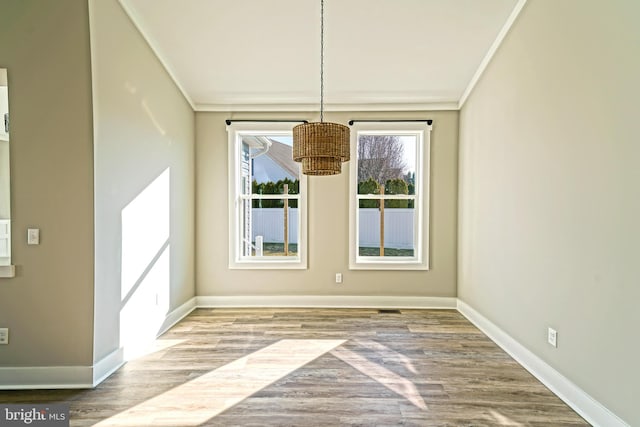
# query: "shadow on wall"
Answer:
x=145 y=266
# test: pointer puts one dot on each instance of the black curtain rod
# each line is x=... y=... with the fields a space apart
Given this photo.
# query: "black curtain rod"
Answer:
x=428 y=121
x=229 y=121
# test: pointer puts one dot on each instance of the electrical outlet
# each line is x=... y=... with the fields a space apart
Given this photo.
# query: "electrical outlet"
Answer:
x=552 y=337
x=4 y=335
x=338 y=277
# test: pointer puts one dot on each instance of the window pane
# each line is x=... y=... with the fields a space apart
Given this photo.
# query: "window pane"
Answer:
x=268 y=166
x=383 y=158
x=369 y=228
x=399 y=233
x=266 y=202
x=267 y=230
x=271 y=164
x=387 y=162
x=389 y=178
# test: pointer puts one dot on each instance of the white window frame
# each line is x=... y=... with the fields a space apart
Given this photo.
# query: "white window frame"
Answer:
x=420 y=259
x=236 y=260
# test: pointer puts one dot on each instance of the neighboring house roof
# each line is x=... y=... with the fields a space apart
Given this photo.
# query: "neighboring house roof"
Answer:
x=281 y=154
x=273 y=159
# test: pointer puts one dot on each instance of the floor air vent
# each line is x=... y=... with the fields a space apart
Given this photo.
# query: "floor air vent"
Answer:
x=389 y=312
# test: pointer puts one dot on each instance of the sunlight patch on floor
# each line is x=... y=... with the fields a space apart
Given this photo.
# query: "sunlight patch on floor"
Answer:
x=196 y=401
x=158 y=346
x=503 y=420
x=386 y=352
x=390 y=380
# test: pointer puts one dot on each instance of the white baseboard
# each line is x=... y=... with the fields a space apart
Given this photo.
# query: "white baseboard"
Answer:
x=49 y=377
x=107 y=366
x=65 y=377
x=177 y=315
x=585 y=405
x=326 y=301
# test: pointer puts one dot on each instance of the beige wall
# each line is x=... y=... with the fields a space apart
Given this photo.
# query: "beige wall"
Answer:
x=328 y=210
x=144 y=185
x=48 y=307
x=549 y=199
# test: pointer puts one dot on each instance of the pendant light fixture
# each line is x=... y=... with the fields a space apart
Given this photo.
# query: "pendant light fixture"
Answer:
x=321 y=146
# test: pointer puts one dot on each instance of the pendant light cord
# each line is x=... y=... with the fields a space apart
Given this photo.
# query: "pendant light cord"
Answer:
x=321 y=61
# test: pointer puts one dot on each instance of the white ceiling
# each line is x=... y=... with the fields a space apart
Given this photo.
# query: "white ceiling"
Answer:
x=379 y=54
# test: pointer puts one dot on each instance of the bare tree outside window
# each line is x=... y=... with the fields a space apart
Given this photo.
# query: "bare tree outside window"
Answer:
x=381 y=158
x=388 y=216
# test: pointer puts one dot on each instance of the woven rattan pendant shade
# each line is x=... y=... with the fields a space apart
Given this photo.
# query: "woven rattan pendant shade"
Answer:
x=321 y=147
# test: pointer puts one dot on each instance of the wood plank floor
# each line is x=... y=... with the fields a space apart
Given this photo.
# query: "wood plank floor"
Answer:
x=317 y=367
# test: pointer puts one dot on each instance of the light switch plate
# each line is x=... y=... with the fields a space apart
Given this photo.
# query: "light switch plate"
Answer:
x=33 y=236
x=4 y=335
x=552 y=337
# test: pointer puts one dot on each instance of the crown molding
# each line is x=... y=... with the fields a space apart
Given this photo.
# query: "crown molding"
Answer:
x=386 y=102
x=153 y=45
x=492 y=51
x=295 y=107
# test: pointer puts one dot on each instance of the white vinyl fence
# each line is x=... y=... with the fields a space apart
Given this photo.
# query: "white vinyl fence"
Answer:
x=269 y=223
x=398 y=226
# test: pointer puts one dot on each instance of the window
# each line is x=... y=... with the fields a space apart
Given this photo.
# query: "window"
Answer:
x=389 y=196
x=6 y=268
x=267 y=206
